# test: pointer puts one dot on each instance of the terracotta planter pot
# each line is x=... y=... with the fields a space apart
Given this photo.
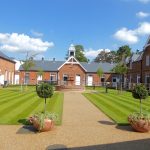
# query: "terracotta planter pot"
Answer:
x=47 y=126
x=140 y=125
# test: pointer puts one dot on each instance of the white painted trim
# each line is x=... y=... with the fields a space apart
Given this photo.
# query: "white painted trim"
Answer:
x=67 y=62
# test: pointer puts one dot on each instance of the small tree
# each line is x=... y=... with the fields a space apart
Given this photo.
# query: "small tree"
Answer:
x=100 y=72
x=140 y=92
x=120 y=69
x=28 y=63
x=44 y=90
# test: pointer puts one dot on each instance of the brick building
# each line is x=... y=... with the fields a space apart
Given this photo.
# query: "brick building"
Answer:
x=70 y=73
x=139 y=66
x=7 y=69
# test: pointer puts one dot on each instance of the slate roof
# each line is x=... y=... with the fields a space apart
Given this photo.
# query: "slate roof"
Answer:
x=134 y=57
x=92 y=67
x=46 y=65
x=2 y=55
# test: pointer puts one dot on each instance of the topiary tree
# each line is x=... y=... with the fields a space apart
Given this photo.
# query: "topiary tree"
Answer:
x=44 y=90
x=140 y=92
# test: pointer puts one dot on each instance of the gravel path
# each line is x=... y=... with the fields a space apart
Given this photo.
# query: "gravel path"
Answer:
x=84 y=127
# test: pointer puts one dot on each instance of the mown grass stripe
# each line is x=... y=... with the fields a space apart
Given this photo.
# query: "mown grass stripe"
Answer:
x=108 y=105
x=104 y=108
x=124 y=103
x=10 y=98
x=25 y=111
x=131 y=102
x=13 y=104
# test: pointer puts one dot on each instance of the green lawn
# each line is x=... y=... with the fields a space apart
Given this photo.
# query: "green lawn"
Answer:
x=116 y=106
x=17 y=106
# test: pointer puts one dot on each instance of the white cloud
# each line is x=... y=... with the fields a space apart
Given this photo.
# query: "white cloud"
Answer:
x=126 y=35
x=23 y=43
x=144 y=1
x=143 y=29
x=142 y=14
x=132 y=36
x=93 y=53
x=35 y=33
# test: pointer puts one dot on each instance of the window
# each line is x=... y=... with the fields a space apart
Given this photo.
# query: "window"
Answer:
x=102 y=79
x=39 y=78
x=52 y=77
x=130 y=64
x=147 y=60
x=147 y=78
x=114 y=79
x=26 y=80
x=138 y=78
x=65 y=77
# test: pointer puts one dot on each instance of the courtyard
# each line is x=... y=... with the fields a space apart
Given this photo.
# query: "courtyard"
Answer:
x=84 y=126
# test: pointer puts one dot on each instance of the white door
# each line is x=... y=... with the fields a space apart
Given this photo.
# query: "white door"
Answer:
x=16 y=79
x=1 y=79
x=90 y=81
x=77 y=80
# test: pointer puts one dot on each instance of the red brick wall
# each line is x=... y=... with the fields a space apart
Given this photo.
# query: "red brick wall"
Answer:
x=10 y=67
x=145 y=69
x=33 y=77
x=97 y=79
x=134 y=71
x=72 y=70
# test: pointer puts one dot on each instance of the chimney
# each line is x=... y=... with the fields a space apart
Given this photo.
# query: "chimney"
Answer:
x=42 y=58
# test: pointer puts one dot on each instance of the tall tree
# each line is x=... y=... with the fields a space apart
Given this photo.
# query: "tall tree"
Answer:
x=101 y=57
x=79 y=54
x=105 y=56
x=123 y=52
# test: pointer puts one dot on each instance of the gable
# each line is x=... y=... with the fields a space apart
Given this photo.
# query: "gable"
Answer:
x=71 y=60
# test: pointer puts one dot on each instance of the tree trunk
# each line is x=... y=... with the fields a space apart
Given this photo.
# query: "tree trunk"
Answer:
x=45 y=106
x=140 y=106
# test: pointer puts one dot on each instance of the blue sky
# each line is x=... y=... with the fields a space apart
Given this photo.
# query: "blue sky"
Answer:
x=48 y=27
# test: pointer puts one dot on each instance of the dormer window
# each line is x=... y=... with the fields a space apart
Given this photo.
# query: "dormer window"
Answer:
x=147 y=60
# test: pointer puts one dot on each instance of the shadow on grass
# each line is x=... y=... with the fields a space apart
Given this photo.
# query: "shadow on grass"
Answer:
x=143 y=144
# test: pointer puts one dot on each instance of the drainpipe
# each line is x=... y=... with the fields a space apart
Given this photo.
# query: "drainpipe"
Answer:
x=141 y=71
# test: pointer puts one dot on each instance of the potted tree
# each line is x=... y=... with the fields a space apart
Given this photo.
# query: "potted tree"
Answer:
x=43 y=121
x=140 y=121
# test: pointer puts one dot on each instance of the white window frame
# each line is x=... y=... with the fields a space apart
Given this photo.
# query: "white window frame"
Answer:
x=138 y=78
x=39 y=77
